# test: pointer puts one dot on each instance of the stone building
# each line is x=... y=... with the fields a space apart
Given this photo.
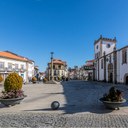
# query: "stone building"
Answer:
x=111 y=64
x=59 y=69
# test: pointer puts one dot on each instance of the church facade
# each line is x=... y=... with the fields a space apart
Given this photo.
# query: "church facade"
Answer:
x=111 y=64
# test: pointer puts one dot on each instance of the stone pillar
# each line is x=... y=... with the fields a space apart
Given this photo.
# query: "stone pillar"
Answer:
x=52 y=65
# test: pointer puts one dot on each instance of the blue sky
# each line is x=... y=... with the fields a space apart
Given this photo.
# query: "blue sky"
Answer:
x=34 y=28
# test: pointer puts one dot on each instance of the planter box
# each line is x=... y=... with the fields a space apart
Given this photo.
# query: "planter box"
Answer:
x=34 y=82
x=113 y=105
x=11 y=102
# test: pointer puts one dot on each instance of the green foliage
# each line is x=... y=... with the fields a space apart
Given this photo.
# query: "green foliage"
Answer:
x=13 y=82
x=1 y=78
x=114 y=95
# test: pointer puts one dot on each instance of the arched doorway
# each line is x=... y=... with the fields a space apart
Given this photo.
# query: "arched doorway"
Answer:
x=126 y=80
x=110 y=73
x=111 y=77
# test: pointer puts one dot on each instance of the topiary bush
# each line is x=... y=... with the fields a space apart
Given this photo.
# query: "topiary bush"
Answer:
x=1 y=78
x=13 y=82
x=34 y=79
x=45 y=80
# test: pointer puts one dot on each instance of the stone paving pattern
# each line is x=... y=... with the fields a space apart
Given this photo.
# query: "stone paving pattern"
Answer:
x=79 y=107
x=36 y=120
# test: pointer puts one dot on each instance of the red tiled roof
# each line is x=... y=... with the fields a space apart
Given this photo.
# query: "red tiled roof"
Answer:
x=90 y=61
x=57 y=61
x=89 y=65
x=10 y=55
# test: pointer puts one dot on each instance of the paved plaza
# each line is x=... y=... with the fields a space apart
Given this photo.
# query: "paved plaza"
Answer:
x=79 y=106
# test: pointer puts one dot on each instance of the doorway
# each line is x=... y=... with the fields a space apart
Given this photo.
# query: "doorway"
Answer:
x=126 y=80
x=110 y=73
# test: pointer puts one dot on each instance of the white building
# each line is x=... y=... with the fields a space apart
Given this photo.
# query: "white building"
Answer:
x=11 y=62
x=111 y=65
x=30 y=70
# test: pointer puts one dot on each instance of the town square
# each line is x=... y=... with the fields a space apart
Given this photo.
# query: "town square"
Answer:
x=63 y=63
x=79 y=106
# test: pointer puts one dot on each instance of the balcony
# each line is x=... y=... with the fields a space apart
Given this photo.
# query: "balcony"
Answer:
x=2 y=69
x=7 y=69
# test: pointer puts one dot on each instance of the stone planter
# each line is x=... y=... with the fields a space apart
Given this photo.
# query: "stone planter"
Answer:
x=113 y=105
x=11 y=102
x=34 y=82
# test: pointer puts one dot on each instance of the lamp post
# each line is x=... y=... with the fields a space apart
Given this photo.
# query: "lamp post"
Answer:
x=52 y=65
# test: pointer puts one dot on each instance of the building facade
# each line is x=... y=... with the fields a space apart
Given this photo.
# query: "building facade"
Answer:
x=89 y=69
x=78 y=73
x=111 y=64
x=11 y=62
x=59 y=69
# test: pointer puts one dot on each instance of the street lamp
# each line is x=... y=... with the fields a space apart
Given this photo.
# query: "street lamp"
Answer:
x=52 y=65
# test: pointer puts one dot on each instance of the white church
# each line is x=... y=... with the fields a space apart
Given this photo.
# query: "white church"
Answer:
x=111 y=64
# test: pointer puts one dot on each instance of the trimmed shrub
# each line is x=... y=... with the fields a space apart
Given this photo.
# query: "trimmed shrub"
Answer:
x=1 y=78
x=45 y=80
x=34 y=79
x=13 y=82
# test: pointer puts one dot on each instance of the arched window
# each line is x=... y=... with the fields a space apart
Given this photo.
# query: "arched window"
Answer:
x=124 y=56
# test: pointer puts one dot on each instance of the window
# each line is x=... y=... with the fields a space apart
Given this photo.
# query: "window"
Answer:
x=102 y=64
x=95 y=56
x=62 y=73
x=97 y=46
x=1 y=65
x=55 y=72
x=16 y=66
x=59 y=66
x=98 y=54
x=10 y=65
x=22 y=66
x=124 y=56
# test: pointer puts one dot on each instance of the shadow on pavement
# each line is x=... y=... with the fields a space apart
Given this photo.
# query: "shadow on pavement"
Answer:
x=74 y=109
x=83 y=96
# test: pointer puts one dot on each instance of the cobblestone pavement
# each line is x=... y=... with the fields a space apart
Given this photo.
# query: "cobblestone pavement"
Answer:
x=79 y=107
x=36 y=120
